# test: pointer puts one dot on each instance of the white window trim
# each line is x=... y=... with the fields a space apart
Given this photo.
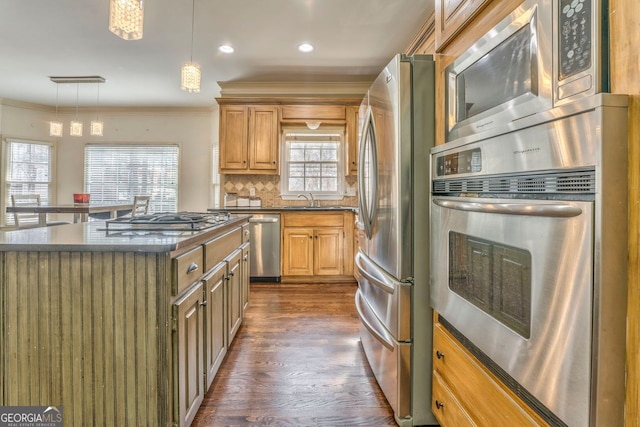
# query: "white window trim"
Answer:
x=284 y=161
x=4 y=181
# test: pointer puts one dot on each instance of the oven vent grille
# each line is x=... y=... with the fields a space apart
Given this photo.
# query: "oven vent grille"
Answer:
x=575 y=182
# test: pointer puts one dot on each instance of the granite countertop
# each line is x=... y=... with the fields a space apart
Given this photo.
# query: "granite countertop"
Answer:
x=92 y=236
x=286 y=209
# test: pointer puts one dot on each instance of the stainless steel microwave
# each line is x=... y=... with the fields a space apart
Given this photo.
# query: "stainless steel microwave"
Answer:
x=546 y=53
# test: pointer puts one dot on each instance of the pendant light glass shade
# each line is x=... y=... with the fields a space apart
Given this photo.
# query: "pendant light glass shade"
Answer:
x=75 y=128
x=190 y=80
x=97 y=126
x=55 y=128
x=126 y=18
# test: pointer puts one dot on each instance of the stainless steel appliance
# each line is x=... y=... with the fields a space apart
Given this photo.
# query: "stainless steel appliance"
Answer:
x=392 y=261
x=165 y=222
x=265 y=247
x=545 y=54
x=529 y=256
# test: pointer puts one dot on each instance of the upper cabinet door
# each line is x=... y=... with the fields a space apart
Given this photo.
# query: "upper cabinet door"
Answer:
x=234 y=128
x=351 y=138
x=452 y=16
x=263 y=138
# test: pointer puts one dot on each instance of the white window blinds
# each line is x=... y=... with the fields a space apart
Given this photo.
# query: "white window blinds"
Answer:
x=117 y=173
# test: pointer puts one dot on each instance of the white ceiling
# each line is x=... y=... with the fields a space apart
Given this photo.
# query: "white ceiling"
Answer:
x=353 y=39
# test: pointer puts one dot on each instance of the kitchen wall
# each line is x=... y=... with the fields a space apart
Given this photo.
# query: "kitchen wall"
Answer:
x=194 y=130
x=267 y=188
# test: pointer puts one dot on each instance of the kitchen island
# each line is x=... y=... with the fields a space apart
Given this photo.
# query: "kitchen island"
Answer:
x=119 y=328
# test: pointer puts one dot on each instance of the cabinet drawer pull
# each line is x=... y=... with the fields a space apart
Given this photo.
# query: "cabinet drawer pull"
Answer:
x=439 y=354
x=439 y=404
x=231 y=274
x=192 y=267
x=203 y=303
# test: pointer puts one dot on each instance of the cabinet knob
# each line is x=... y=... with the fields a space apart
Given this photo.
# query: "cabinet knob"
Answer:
x=192 y=267
x=439 y=404
x=203 y=303
x=231 y=274
x=439 y=354
x=274 y=162
x=311 y=237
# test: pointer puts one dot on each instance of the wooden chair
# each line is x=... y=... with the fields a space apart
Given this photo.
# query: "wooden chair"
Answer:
x=29 y=220
x=140 y=205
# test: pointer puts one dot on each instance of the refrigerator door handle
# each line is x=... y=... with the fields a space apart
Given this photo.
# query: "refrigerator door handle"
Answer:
x=374 y=275
x=378 y=335
x=368 y=139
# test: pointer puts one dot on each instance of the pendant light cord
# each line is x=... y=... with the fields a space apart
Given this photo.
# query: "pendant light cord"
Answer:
x=193 y=17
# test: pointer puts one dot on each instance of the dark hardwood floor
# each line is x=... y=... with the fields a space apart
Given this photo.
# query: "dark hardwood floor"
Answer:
x=296 y=361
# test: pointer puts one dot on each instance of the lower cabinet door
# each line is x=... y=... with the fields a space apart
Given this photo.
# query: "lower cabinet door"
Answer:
x=215 y=314
x=234 y=286
x=246 y=272
x=189 y=363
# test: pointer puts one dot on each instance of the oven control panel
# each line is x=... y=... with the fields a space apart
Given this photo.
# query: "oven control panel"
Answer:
x=468 y=161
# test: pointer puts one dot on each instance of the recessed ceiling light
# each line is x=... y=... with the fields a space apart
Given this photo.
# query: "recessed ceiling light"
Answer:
x=305 y=47
x=225 y=48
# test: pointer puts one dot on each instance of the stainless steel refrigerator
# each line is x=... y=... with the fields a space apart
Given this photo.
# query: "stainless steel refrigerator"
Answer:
x=392 y=263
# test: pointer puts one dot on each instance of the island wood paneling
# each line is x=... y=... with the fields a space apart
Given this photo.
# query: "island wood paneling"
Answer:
x=625 y=62
x=81 y=329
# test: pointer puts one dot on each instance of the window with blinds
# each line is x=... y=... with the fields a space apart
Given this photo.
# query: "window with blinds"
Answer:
x=28 y=170
x=312 y=162
x=117 y=173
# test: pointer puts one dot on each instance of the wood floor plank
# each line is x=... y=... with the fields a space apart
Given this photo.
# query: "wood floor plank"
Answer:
x=296 y=361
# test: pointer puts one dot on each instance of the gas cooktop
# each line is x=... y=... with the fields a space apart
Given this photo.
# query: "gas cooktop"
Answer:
x=168 y=221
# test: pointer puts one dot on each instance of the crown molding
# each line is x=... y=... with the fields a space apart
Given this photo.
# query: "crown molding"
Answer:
x=355 y=89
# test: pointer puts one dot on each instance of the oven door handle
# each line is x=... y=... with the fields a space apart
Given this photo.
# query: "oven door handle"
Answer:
x=553 y=210
x=374 y=275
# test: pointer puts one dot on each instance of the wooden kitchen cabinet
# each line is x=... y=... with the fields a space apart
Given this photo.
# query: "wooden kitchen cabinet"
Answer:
x=352 y=136
x=246 y=273
x=234 y=287
x=317 y=244
x=189 y=341
x=466 y=393
x=249 y=139
x=451 y=16
x=215 y=341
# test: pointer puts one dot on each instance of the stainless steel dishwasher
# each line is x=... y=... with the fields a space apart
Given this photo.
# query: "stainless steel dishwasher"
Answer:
x=265 y=247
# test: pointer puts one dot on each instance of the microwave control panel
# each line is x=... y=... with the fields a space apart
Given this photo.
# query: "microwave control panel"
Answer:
x=575 y=37
x=468 y=161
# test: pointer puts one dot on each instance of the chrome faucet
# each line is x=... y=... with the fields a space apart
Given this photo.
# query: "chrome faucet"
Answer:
x=308 y=199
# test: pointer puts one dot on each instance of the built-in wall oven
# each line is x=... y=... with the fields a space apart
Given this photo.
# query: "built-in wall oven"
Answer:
x=529 y=257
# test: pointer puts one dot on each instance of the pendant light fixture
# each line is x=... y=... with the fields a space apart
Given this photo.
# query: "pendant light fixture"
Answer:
x=75 y=127
x=126 y=18
x=190 y=76
x=97 y=126
x=56 y=126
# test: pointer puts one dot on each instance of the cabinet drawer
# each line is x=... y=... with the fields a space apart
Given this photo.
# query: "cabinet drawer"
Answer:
x=445 y=407
x=486 y=402
x=187 y=268
x=217 y=249
x=246 y=233
x=304 y=219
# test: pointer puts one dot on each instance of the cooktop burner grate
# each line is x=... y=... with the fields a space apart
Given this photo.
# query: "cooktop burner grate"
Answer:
x=168 y=221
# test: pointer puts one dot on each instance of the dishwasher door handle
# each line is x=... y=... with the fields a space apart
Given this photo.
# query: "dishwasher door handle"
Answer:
x=264 y=220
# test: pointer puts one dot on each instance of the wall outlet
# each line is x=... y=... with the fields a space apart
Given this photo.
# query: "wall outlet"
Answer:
x=252 y=191
x=350 y=191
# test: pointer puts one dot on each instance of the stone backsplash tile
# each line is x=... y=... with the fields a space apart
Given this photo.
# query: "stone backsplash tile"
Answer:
x=267 y=188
